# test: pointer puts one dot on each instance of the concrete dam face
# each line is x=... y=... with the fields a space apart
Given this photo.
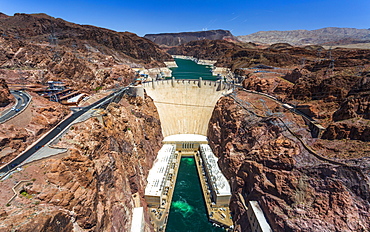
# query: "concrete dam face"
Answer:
x=185 y=106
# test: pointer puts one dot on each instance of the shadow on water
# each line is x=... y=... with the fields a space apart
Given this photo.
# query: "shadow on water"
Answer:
x=188 y=211
x=188 y=69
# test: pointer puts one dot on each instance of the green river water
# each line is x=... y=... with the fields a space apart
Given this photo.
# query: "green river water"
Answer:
x=188 y=69
x=188 y=211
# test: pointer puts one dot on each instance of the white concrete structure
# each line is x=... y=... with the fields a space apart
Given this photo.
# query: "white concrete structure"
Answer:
x=220 y=188
x=159 y=174
x=184 y=57
x=77 y=98
x=138 y=220
x=220 y=71
x=186 y=142
x=206 y=62
x=256 y=218
x=170 y=64
x=153 y=73
x=185 y=106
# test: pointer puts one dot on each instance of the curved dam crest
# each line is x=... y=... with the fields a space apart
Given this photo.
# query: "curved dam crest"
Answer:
x=185 y=106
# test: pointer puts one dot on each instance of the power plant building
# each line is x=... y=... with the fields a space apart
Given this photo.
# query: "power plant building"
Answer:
x=218 y=184
x=160 y=176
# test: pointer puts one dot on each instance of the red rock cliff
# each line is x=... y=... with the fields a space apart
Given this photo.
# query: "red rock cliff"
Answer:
x=297 y=190
x=92 y=187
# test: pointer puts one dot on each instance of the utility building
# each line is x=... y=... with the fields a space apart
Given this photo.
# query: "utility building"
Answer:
x=256 y=218
x=218 y=184
x=186 y=143
x=160 y=176
x=138 y=221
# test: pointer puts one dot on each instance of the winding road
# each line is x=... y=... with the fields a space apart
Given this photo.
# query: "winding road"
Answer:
x=56 y=131
x=22 y=100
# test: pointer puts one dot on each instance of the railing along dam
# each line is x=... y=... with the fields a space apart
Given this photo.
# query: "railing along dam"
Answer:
x=185 y=106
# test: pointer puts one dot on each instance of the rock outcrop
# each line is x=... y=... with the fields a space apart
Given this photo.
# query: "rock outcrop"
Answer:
x=353 y=108
x=354 y=128
x=176 y=39
x=93 y=187
x=296 y=190
x=41 y=28
x=5 y=96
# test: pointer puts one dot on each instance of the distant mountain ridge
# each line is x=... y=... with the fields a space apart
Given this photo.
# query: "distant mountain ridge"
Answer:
x=176 y=39
x=324 y=36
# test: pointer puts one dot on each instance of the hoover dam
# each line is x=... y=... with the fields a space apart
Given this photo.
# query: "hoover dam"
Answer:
x=185 y=107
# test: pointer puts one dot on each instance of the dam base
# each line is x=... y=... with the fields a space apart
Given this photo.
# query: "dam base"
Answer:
x=162 y=178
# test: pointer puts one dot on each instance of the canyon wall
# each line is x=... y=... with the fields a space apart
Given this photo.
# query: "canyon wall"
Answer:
x=96 y=185
x=298 y=190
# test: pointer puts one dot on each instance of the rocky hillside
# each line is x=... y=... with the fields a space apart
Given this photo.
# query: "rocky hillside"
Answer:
x=38 y=48
x=328 y=36
x=5 y=96
x=175 y=39
x=96 y=185
x=298 y=189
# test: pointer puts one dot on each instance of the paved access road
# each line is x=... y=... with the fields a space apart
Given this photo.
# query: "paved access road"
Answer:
x=22 y=101
x=54 y=132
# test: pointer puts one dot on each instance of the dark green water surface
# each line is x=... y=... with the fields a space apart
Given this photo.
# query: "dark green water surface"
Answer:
x=188 y=211
x=188 y=69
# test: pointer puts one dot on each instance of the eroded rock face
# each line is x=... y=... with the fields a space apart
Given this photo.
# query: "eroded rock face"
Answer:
x=5 y=96
x=91 y=188
x=355 y=128
x=42 y=27
x=39 y=48
x=266 y=84
x=297 y=191
x=358 y=102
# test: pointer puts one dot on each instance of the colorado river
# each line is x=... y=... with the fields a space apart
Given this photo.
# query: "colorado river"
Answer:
x=188 y=211
x=188 y=69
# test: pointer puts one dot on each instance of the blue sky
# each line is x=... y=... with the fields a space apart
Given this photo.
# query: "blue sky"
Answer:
x=240 y=17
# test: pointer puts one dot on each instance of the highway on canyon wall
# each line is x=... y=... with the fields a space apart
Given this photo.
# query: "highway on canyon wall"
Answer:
x=53 y=133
